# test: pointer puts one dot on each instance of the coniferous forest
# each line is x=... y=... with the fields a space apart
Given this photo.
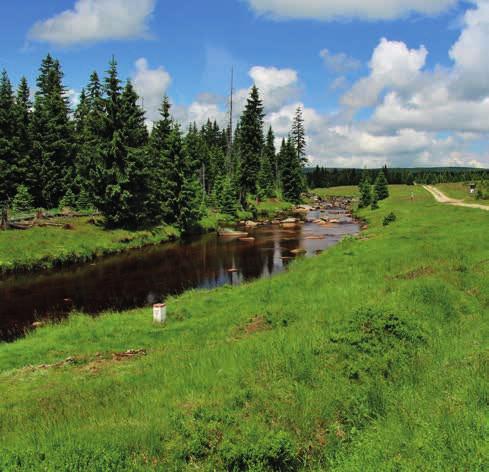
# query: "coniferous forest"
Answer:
x=103 y=156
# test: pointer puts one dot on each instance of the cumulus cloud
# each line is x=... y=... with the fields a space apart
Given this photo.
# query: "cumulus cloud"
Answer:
x=340 y=63
x=361 y=9
x=277 y=86
x=95 y=20
x=392 y=65
x=151 y=85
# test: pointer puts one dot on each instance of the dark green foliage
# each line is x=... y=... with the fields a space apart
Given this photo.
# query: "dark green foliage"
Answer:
x=270 y=153
x=272 y=452
x=84 y=202
x=227 y=197
x=8 y=144
x=23 y=112
x=298 y=135
x=251 y=143
x=375 y=202
x=381 y=188
x=265 y=178
x=53 y=149
x=390 y=218
x=291 y=172
x=376 y=342
x=68 y=200
x=134 y=131
x=23 y=201
x=365 y=193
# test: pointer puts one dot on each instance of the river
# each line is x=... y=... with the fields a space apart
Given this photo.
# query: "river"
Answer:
x=146 y=276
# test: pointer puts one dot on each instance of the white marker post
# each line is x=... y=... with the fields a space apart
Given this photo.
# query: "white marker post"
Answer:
x=159 y=313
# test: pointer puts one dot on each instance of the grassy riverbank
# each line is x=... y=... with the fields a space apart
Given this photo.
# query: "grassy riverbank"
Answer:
x=372 y=356
x=47 y=247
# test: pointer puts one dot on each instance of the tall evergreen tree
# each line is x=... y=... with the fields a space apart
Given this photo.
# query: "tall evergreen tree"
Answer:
x=292 y=178
x=134 y=128
x=381 y=187
x=23 y=112
x=8 y=147
x=120 y=174
x=251 y=143
x=53 y=146
x=298 y=135
x=271 y=154
x=265 y=182
x=365 y=189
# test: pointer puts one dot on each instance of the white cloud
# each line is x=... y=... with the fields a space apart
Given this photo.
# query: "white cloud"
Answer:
x=362 y=9
x=277 y=86
x=95 y=20
x=392 y=65
x=151 y=85
x=340 y=63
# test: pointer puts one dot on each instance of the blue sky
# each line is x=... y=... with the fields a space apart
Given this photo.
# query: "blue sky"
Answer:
x=385 y=81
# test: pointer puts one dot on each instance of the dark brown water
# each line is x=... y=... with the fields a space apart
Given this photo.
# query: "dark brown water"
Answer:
x=143 y=277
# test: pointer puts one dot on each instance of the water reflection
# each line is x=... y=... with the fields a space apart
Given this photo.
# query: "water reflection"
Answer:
x=147 y=276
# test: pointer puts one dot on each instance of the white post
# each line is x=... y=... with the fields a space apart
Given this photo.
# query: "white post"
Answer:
x=159 y=313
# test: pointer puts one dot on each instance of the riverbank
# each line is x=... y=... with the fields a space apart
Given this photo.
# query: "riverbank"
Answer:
x=372 y=356
x=83 y=239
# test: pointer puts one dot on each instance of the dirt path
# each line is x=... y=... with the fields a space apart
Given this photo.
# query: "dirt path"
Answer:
x=442 y=198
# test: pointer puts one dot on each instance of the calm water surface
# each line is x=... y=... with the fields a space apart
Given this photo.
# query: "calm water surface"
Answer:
x=143 y=277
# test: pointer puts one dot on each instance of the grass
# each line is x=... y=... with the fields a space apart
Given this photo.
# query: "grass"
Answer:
x=372 y=356
x=48 y=247
x=460 y=191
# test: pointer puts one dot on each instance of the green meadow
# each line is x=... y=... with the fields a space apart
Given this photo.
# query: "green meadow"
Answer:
x=460 y=191
x=372 y=356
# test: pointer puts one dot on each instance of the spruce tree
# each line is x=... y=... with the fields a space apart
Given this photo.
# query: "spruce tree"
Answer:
x=119 y=170
x=132 y=117
x=270 y=153
x=228 y=198
x=381 y=187
x=251 y=143
x=8 y=146
x=53 y=146
x=298 y=135
x=23 y=107
x=365 y=192
x=265 y=182
x=292 y=178
x=23 y=201
x=68 y=200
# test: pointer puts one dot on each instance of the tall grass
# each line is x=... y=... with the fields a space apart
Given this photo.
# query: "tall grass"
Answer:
x=372 y=356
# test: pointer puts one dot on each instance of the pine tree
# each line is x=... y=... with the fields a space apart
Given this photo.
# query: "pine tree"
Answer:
x=23 y=201
x=53 y=146
x=375 y=202
x=381 y=187
x=68 y=200
x=120 y=174
x=251 y=143
x=189 y=205
x=132 y=117
x=270 y=153
x=228 y=198
x=265 y=178
x=365 y=192
x=298 y=135
x=23 y=107
x=292 y=178
x=8 y=146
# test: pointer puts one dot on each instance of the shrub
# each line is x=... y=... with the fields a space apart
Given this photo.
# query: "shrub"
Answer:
x=390 y=218
x=375 y=342
x=274 y=451
x=23 y=201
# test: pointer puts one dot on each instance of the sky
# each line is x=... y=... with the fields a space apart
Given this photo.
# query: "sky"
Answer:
x=396 y=82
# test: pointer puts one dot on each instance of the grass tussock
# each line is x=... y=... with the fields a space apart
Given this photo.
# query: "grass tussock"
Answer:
x=358 y=359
